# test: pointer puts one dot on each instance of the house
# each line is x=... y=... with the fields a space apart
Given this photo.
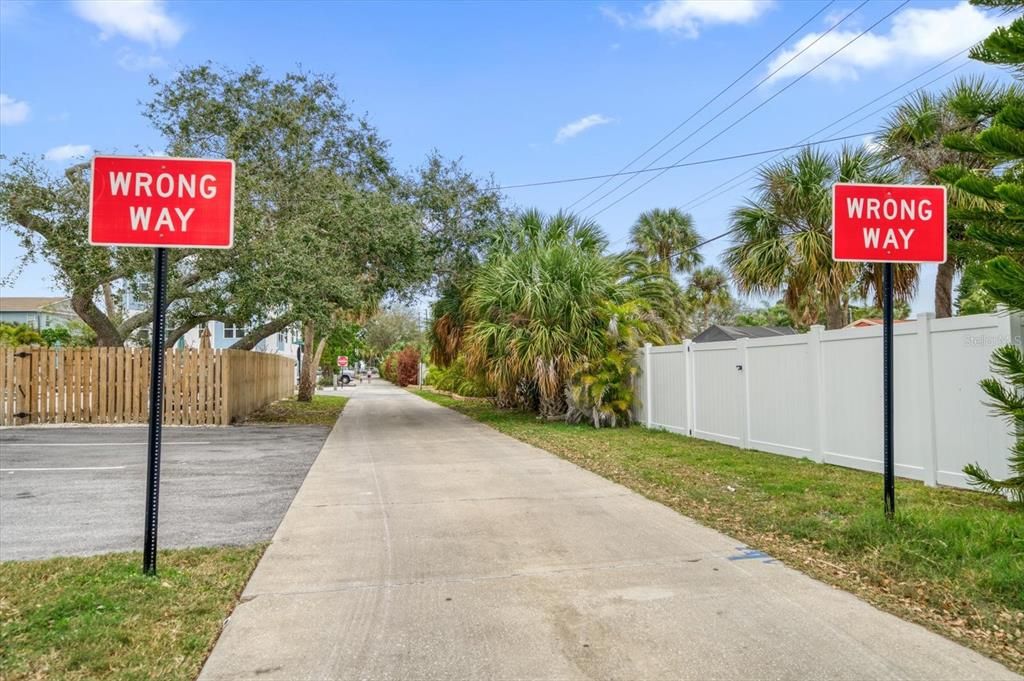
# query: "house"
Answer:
x=222 y=336
x=720 y=332
x=869 y=322
x=38 y=312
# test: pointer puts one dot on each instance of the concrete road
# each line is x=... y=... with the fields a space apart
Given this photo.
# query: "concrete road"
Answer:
x=81 y=490
x=423 y=545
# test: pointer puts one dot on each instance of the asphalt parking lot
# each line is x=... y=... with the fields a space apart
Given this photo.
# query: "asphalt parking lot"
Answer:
x=81 y=491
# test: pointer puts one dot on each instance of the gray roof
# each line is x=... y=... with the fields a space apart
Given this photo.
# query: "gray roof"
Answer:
x=720 y=332
x=54 y=304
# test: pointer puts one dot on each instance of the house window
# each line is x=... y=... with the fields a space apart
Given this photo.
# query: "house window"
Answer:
x=234 y=331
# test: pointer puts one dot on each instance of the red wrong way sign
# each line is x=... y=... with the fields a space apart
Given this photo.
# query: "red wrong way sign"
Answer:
x=888 y=223
x=162 y=202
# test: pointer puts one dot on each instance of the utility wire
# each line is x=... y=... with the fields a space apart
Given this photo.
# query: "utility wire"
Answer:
x=683 y=251
x=697 y=200
x=704 y=106
x=734 y=103
x=703 y=161
x=714 y=192
x=756 y=108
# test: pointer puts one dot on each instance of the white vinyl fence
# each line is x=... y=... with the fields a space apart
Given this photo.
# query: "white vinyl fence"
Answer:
x=819 y=395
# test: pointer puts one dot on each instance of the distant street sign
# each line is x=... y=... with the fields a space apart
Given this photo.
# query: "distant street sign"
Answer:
x=342 y=361
x=888 y=223
x=162 y=202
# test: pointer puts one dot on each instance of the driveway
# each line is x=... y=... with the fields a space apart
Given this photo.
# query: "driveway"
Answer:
x=424 y=545
x=81 y=490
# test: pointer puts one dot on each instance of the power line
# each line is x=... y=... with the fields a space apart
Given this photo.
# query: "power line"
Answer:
x=714 y=192
x=696 y=201
x=706 y=104
x=729 y=231
x=704 y=161
x=734 y=103
x=693 y=203
x=756 y=108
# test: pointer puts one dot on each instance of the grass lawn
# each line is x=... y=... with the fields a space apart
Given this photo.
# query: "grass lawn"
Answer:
x=100 y=618
x=952 y=560
x=322 y=411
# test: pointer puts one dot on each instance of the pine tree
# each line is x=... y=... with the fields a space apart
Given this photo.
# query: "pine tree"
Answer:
x=997 y=222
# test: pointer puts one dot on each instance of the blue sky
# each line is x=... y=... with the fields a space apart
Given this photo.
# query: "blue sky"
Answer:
x=524 y=91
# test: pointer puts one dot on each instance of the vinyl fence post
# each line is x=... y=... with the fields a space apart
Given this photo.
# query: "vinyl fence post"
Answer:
x=691 y=389
x=930 y=465
x=743 y=368
x=817 y=374
x=648 y=386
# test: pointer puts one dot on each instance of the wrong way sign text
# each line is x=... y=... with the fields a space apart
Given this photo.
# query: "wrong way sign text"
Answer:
x=163 y=202
x=888 y=223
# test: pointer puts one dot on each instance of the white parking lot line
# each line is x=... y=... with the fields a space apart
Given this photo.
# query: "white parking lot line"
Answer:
x=95 y=444
x=63 y=468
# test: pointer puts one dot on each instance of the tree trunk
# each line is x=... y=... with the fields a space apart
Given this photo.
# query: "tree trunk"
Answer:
x=944 y=289
x=249 y=341
x=108 y=301
x=107 y=335
x=835 y=314
x=174 y=334
x=310 y=362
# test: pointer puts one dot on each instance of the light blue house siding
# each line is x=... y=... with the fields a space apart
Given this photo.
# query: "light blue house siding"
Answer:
x=34 y=312
x=220 y=340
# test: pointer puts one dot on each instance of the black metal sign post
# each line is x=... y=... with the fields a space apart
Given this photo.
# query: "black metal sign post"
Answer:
x=889 y=462
x=156 y=408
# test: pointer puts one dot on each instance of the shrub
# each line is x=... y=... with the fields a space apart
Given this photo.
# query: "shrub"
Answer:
x=388 y=369
x=19 y=334
x=455 y=379
x=408 y=366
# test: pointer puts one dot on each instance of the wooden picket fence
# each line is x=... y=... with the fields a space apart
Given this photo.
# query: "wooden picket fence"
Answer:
x=111 y=385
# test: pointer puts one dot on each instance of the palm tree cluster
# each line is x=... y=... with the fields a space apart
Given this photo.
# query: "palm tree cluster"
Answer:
x=665 y=240
x=548 y=306
x=550 y=321
x=781 y=237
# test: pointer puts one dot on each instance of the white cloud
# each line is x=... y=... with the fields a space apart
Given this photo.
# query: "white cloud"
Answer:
x=688 y=17
x=872 y=145
x=615 y=16
x=570 y=130
x=12 y=111
x=915 y=34
x=67 y=152
x=129 y=60
x=141 y=20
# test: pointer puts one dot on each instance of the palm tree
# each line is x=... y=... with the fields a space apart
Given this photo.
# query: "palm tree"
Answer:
x=912 y=138
x=782 y=239
x=709 y=291
x=537 y=308
x=667 y=237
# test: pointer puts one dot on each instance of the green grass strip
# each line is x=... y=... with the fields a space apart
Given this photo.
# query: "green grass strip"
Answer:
x=99 y=617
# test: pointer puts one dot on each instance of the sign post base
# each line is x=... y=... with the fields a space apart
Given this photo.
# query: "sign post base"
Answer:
x=887 y=387
x=156 y=409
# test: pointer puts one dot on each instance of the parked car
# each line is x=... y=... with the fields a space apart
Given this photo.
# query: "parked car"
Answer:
x=347 y=376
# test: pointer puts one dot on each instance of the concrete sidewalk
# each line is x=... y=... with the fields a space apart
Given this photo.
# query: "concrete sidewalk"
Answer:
x=423 y=545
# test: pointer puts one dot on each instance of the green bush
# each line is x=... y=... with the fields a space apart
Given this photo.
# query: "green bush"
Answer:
x=455 y=379
x=19 y=334
x=74 y=334
x=389 y=368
